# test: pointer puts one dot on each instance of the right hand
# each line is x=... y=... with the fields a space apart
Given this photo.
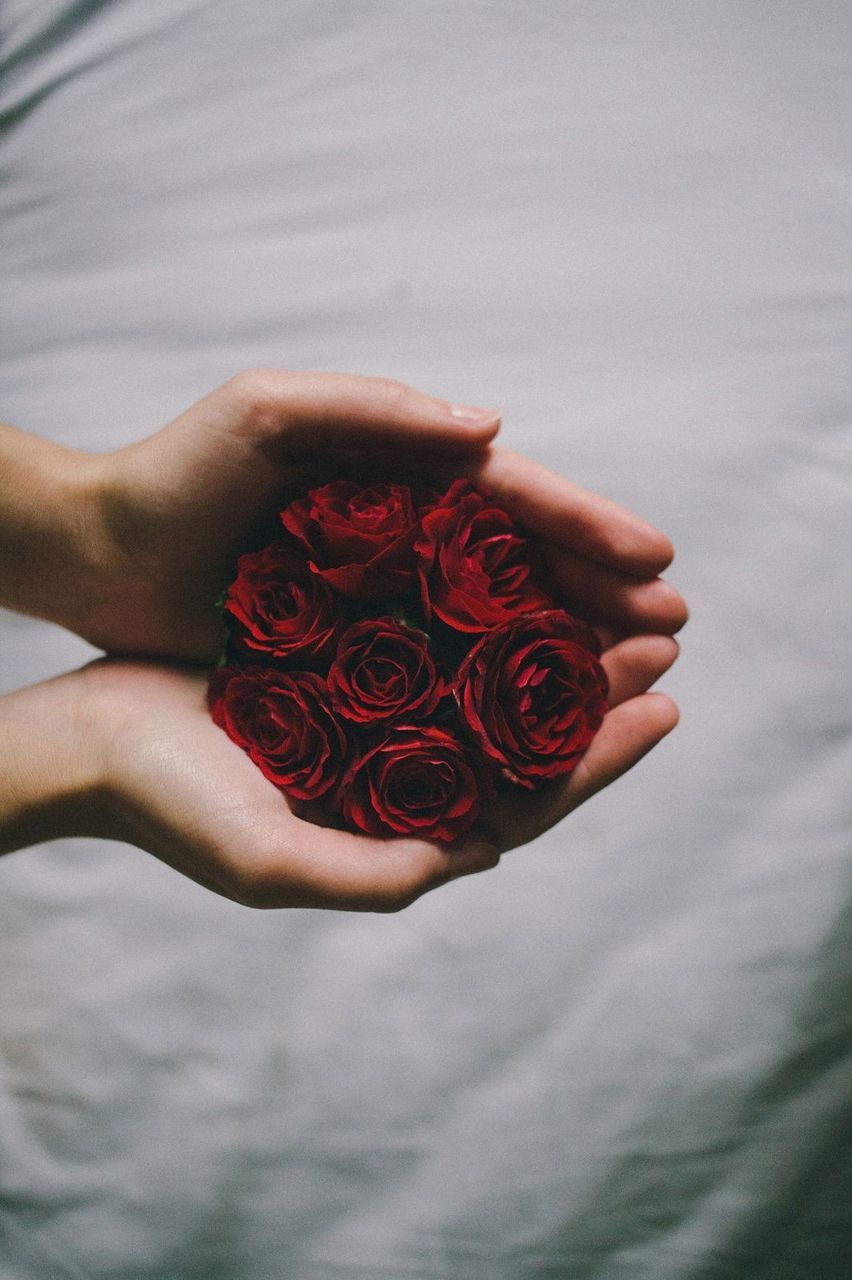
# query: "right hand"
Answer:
x=127 y=751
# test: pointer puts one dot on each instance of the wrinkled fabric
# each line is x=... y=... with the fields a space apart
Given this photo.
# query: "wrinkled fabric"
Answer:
x=626 y=1052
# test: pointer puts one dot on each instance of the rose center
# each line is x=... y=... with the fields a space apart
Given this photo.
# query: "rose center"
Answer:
x=422 y=786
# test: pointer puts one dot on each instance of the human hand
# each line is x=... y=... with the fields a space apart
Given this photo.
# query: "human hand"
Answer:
x=127 y=750
x=164 y=520
x=131 y=549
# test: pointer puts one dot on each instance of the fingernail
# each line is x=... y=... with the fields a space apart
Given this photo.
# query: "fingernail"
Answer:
x=472 y=415
x=481 y=856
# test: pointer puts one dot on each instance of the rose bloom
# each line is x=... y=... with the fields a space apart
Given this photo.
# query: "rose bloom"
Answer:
x=533 y=694
x=280 y=609
x=417 y=781
x=360 y=540
x=474 y=562
x=384 y=671
x=286 y=725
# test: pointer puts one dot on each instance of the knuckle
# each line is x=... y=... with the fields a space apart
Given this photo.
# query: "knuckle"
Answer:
x=401 y=892
x=393 y=394
x=254 y=896
x=254 y=392
x=258 y=883
x=393 y=901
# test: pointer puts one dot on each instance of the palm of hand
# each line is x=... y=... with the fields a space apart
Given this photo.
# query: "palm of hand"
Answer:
x=183 y=791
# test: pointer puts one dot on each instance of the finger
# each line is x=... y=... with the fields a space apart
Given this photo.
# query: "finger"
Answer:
x=302 y=411
x=628 y=733
x=321 y=867
x=610 y=635
x=635 y=664
x=634 y=604
x=570 y=516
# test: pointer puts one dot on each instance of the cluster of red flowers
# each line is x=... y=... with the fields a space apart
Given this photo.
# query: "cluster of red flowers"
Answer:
x=395 y=656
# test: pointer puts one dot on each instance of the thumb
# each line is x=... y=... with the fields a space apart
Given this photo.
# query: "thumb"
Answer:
x=311 y=866
x=314 y=411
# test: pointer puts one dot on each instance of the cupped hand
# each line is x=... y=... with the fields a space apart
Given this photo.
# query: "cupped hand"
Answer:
x=636 y=721
x=161 y=775
x=167 y=517
x=158 y=527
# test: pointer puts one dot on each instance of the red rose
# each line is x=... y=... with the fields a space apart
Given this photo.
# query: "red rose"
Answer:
x=418 y=781
x=383 y=671
x=359 y=540
x=281 y=609
x=285 y=724
x=474 y=563
x=534 y=694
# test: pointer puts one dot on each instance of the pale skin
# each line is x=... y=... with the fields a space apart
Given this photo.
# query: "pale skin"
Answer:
x=131 y=549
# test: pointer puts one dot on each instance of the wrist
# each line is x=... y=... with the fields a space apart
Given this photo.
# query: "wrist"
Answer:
x=53 y=779
x=48 y=528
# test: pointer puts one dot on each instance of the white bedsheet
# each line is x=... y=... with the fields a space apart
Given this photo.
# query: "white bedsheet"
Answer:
x=625 y=1055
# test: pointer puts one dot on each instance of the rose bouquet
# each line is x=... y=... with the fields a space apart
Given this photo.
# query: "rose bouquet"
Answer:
x=394 y=655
